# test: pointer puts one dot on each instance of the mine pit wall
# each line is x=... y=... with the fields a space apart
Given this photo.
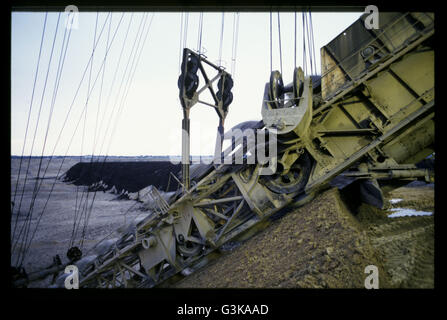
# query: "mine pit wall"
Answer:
x=125 y=176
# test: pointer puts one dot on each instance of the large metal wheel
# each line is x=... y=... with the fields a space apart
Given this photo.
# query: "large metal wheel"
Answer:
x=188 y=248
x=294 y=180
x=276 y=90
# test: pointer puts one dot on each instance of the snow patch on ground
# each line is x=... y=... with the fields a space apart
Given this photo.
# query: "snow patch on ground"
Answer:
x=394 y=201
x=403 y=212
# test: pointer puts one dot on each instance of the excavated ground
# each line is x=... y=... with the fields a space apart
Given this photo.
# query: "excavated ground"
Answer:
x=406 y=244
x=325 y=245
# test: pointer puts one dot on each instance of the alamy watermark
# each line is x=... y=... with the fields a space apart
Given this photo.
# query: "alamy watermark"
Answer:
x=72 y=20
x=72 y=279
x=372 y=280
x=372 y=20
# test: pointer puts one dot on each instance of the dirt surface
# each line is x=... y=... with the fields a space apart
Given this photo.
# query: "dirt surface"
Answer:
x=419 y=198
x=320 y=245
x=324 y=245
x=406 y=244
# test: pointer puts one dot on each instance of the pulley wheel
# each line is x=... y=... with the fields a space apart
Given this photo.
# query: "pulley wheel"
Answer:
x=298 y=84
x=191 y=83
x=228 y=98
x=228 y=84
x=192 y=64
x=276 y=89
x=189 y=248
x=294 y=181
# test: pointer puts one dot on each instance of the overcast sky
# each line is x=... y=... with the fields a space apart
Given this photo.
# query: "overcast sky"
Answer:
x=150 y=118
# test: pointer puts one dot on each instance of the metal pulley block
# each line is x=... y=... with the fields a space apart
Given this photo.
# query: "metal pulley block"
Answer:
x=277 y=90
x=190 y=95
x=189 y=80
x=224 y=94
x=188 y=83
x=292 y=113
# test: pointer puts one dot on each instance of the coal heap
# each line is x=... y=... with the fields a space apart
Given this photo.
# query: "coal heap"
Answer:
x=124 y=176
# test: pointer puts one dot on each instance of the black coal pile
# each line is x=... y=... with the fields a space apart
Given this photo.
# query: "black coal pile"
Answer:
x=124 y=176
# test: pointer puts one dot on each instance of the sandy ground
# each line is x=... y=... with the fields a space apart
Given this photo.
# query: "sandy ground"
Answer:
x=55 y=228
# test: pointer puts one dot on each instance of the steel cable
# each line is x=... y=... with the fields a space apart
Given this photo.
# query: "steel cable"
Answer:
x=271 y=45
x=55 y=91
x=125 y=92
x=83 y=213
x=94 y=195
x=221 y=38
x=64 y=157
x=235 y=40
x=180 y=45
x=85 y=116
x=28 y=218
x=77 y=125
x=294 y=56
x=60 y=167
x=27 y=124
x=279 y=41
x=199 y=36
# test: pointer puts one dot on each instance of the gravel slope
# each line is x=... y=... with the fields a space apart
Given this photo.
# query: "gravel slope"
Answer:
x=324 y=245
